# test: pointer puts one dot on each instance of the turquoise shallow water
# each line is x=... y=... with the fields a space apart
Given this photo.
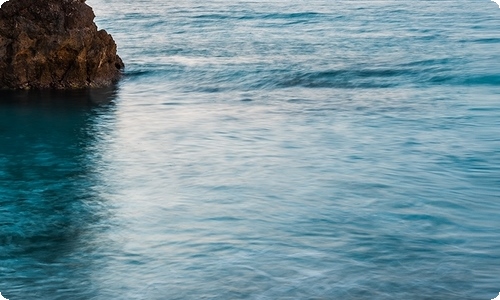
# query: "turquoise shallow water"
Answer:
x=264 y=150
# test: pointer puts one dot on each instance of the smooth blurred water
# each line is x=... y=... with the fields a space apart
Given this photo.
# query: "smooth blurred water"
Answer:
x=264 y=150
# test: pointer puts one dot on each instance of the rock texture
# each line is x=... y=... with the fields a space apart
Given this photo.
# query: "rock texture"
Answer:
x=54 y=44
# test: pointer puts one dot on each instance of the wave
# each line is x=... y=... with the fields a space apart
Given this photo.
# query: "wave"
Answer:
x=253 y=15
x=345 y=78
x=214 y=77
x=486 y=79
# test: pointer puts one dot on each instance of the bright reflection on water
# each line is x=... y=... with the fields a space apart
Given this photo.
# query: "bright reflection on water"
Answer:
x=263 y=150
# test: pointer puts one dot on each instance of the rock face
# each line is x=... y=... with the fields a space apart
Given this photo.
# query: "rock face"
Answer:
x=54 y=44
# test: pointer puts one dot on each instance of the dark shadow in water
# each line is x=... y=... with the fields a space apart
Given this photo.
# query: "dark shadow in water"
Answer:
x=52 y=212
x=72 y=98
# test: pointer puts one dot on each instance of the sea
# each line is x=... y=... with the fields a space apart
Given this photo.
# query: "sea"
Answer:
x=320 y=149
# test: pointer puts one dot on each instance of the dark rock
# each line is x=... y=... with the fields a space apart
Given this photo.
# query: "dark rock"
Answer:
x=54 y=44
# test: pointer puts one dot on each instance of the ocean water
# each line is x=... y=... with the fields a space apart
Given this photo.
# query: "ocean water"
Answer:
x=264 y=150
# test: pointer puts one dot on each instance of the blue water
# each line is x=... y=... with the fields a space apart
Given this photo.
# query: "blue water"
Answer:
x=264 y=150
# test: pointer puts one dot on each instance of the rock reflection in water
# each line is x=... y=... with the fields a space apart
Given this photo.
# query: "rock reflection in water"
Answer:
x=51 y=214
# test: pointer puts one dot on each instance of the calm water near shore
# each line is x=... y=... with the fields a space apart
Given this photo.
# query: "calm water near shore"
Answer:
x=264 y=150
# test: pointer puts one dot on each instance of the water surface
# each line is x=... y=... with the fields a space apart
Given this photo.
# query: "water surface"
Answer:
x=264 y=150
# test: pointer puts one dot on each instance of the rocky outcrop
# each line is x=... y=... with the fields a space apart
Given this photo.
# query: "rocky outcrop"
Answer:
x=54 y=44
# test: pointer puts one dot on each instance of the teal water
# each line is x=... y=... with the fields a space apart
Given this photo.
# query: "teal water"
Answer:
x=264 y=150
